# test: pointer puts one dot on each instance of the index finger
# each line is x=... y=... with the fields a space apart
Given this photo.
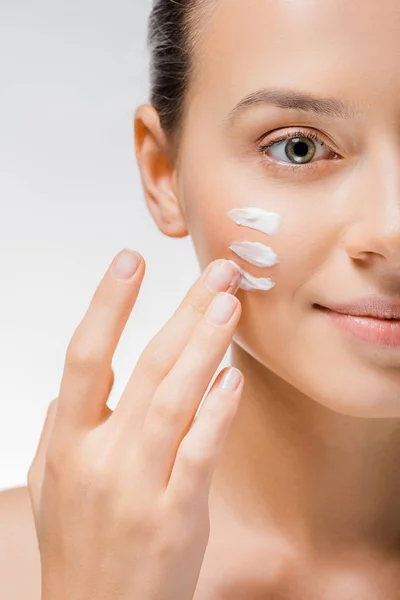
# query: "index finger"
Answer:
x=85 y=383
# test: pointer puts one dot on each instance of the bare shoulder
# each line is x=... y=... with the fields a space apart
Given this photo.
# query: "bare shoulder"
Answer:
x=19 y=554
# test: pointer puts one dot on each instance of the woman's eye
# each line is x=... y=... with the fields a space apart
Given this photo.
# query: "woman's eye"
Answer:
x=298 y=150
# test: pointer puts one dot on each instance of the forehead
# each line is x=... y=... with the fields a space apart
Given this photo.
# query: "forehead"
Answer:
x=328 y=47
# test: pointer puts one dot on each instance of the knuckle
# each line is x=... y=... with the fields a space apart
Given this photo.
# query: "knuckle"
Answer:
x=82 y=357
x=165 y=412
x=90 y=476
x=153 y=359
x=197 y=305
x=195 y=460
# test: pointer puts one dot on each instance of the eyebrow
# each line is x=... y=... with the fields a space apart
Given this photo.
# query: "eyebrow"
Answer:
x=295 y=100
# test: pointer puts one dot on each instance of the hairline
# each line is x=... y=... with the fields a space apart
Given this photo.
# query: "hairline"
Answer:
x=194 y=25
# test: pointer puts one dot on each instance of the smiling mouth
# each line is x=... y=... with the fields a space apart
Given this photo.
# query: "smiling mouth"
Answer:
x=381 y=331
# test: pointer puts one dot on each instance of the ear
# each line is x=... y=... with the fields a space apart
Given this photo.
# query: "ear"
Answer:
x=157 y=172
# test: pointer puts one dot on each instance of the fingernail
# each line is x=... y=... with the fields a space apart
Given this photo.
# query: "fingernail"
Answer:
x=223 y=277
x=231 y=380
x=222 y=308
x=126 y=264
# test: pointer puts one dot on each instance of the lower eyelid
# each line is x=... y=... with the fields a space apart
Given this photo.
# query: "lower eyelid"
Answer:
x=297 y=169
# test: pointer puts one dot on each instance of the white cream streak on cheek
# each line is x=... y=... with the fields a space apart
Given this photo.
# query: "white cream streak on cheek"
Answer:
x=249 y=283
x=255 y=253
x=257 y=218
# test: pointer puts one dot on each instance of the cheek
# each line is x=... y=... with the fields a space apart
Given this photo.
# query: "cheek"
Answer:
x=211 y=184
x=208 y=194
x=272 y=321
x=301 y=246
x=277 y=326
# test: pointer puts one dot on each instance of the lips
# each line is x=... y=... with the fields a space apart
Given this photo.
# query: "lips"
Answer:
x=376 y=307
x=375 y=320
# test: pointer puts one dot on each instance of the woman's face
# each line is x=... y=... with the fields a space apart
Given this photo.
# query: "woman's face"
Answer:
x=340 y=205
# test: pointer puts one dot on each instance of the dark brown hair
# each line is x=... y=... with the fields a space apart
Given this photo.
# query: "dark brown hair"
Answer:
x=172 y=35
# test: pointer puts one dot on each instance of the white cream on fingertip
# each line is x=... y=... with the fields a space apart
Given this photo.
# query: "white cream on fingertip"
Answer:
x=255 y=253
x=256 y=218
x=249 y=283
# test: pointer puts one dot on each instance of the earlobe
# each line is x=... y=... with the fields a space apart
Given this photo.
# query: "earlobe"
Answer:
x=157 y=172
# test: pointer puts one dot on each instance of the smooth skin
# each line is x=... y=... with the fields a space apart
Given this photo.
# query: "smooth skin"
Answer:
x=304 y=499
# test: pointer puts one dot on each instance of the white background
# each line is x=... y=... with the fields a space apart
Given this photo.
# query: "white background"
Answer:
x=72 y=73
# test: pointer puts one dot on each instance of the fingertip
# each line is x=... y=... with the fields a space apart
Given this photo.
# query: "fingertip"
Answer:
x=126 y=264
x=231 y=380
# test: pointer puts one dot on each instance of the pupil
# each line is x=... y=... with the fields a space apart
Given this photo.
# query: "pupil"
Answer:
x=301 y=148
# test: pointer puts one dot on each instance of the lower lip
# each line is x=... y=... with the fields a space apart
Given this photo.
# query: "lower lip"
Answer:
x=375 y=331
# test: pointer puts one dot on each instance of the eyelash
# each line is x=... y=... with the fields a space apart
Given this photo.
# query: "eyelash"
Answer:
x=287 y=136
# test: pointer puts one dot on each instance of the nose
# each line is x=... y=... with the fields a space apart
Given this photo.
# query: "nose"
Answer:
x=374 y=232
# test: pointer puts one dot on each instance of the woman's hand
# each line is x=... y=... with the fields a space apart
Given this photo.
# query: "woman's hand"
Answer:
x=120 y=498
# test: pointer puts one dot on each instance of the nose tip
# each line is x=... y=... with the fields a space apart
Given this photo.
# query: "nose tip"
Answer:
x=375 y=236
x=373 y=229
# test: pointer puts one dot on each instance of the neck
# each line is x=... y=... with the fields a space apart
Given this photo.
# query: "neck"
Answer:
x=328 y=480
